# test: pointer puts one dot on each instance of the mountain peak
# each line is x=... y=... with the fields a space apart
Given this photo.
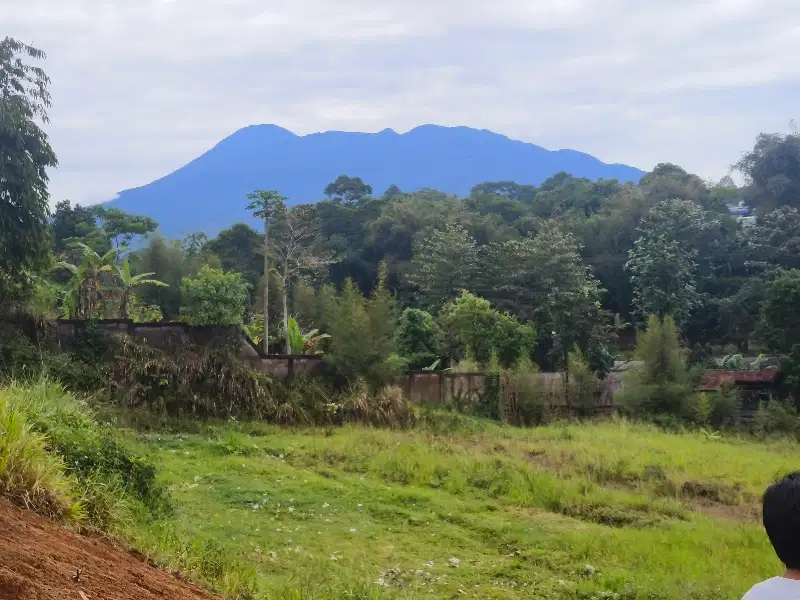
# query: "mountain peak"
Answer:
x=209 y=193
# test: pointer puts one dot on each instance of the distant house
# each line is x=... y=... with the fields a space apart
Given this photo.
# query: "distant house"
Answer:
x=754 y=386
x=742 y=214
x=740 y=210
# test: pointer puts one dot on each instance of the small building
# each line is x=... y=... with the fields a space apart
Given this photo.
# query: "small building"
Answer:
x=754 y=386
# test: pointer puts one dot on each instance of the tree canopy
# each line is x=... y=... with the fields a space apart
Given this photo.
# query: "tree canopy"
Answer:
x=25 y=156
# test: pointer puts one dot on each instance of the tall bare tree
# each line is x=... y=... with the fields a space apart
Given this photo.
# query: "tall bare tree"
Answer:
x=266 y=205
x=296 y=253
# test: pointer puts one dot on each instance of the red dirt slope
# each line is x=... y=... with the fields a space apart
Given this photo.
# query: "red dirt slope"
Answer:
x=40 y=560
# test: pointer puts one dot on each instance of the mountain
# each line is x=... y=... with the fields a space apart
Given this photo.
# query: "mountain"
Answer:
x=209 y=193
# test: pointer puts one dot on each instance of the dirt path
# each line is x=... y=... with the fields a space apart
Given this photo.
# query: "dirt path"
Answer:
x=40 y=560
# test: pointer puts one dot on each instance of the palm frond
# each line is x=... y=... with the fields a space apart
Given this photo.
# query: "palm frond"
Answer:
x=68 y=266
x=154 y=282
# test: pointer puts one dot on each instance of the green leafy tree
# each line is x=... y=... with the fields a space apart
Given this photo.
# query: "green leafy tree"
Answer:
x=661 y=386
x=668 y=182
x=239 y=248
x=564 y=195
x=129 y=283
x=392 y=192
x=772 y=168
x=121 y=228
x=76 y=224
x=774 y=243
x=663 y=262
x=86 y=289
x=542 y=279
x=390 y=236
x=25 y=156
x=663 y=274
x=214 y=297
x=470 y=323
x=512 y=341
x=466 y=322
x=506 y=189
x=417 y=338
x=607 y=236
x=350 y=190
x=780 y=310
x=172 y=263
x=194 y=244
x=444 y=263
x=267 y=206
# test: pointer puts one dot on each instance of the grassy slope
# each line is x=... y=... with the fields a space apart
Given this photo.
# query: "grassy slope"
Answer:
x=555 y=512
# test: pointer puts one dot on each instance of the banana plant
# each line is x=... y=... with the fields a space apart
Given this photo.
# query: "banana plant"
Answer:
x=85 y=291
x=303 y=343
x=129 y=283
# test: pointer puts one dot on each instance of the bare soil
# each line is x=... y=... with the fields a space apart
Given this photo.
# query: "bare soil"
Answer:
x=42 y=560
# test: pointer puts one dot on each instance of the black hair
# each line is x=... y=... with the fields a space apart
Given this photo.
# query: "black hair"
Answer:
x=781 y=516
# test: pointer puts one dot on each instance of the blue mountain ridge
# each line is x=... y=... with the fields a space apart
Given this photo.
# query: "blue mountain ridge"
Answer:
x=209 y=193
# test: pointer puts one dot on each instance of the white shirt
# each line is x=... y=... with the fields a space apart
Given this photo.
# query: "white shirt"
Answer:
x=777 y=588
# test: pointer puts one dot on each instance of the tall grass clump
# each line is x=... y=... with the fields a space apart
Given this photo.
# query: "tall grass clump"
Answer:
x=107 y=475
x=30 y=476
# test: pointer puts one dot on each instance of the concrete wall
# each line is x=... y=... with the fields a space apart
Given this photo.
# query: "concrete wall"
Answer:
x=287 y=367
x=169 y=335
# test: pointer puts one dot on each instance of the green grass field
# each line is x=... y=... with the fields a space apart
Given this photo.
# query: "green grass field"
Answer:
x=462 y=508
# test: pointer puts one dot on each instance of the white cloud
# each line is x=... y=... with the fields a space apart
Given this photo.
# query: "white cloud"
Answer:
x=140 y=88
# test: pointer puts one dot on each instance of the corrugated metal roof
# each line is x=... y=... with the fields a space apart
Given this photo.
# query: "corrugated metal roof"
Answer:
x=713 y=380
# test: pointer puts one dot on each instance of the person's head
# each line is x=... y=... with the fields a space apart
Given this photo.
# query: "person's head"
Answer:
x=782 y=519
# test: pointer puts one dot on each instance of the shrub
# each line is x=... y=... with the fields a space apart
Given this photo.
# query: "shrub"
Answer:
x=186 y=379
x=725 y=406
x=701 y=409
x=362 y=334
x=388 y=407
x=19 y=356
x=775 y=416
x=468 y=364
x=29 y=475
x=582 y=384
x=523 y=384
x=92 y=344
x=488 y=403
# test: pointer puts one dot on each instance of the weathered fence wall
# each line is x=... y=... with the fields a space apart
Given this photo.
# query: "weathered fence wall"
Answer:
x=438 y=387
x=158 y=335
x=485 y=392
x=287 y=367
x=466 y=391
x=169 y=335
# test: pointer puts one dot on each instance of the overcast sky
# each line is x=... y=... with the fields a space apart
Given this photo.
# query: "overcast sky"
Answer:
x=141 y=87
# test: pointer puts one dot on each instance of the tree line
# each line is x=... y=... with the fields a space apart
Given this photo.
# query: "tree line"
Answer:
x=509 y=271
